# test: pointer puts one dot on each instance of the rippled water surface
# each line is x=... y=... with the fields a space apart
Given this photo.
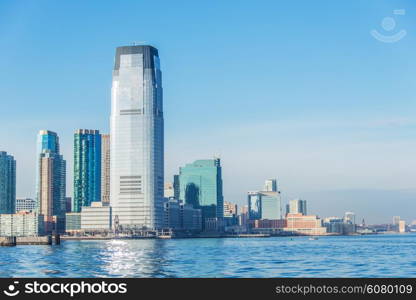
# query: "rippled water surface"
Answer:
x=358 y=256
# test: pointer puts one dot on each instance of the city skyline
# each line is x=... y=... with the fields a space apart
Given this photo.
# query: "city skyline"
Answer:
x=336 y=152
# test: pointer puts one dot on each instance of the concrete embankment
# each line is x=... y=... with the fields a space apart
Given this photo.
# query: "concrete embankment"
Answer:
x=29 y=240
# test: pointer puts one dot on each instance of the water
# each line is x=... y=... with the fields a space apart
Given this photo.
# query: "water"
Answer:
x=343 y=256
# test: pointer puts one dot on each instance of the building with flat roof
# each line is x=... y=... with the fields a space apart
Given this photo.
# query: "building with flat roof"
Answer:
x=21 y=224
x=7 y=183
x=25 y=204
x=96 y=217
x=304 y=224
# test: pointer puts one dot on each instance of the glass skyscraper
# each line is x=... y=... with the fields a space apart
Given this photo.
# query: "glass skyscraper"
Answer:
x=51 y=175
x=87 y=168
x=201 y=185
x=7 y=183
x=137 y=142
x=105 y=169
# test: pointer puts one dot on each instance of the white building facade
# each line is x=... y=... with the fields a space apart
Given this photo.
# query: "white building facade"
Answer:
x=137 y=141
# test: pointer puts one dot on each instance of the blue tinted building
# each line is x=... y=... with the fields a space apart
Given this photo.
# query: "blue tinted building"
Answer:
x=87 y=168
x=7 y=183
x=201 y=186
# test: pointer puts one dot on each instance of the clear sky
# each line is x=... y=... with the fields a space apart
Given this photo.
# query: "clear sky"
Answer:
x=297 y=89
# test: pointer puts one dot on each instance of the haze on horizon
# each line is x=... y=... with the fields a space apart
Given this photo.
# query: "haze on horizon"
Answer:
x=294 y=90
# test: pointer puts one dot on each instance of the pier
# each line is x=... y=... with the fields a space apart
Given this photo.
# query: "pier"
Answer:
x=29 y=240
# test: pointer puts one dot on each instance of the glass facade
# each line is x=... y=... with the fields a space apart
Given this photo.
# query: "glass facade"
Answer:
x=137 y=141
x=201 y=186
x=7 y=183
x=264 y=205
x=87 y=168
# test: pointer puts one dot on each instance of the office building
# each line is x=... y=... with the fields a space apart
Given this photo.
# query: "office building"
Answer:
x=270 y=185
x=7 y=183
x=264 y=205
x=68 y=204
x=172 y=214
x=87 y=168
x=47 y=141
x=21 y=224
x=230 y=209
x=105 y=168
x=402 y=226
x=349 y=217
x=96 y=218
x=297 y=206
x=137 y=142
x=243 y=217
x=72 y=223
x=304 y=224
x=52 y=173
x=191 y=218
x=25 y=204
x=201 y=186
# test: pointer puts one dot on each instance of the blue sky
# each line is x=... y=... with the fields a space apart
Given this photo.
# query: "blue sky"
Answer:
x=297 y=90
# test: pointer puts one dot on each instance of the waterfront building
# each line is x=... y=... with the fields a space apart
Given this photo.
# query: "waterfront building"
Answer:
x=349 y=217
x=96 y=217
x=191 y=218
x=230 y=209
x=402 y=226
x=243 y=217
x=297 y=206
x=25 y=204
x=334 y=225
x=21 y=224
x=87 y=168
x=264 y=205
x=105 y=168
x=47 y=141
x=72 y=222
x=304 y=224
x=270 y=185
x=172 y=215
x=137 y=142
x=52 y=173
x=201 y=186
x=7 y=183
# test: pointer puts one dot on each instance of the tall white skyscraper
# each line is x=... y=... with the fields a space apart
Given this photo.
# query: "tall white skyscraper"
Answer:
x=137 y=158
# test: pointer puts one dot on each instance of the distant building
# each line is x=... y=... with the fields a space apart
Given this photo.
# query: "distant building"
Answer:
x=264 y=205
x=230 y=209
x=176 y=187
x=243 y=217
x=25 y=204
x=396 y=220
x=297 y=206
x=304 y=224
x=96 y=217
x=87 y=168
x=21 y=224
x=270 y=185
x=105 y=168
x=169 y=191
x=51 y=190
x=402 y=226
x=7 y=183
x=73 y=222
x=349 y=217
x=172 y=214
x=201 y=186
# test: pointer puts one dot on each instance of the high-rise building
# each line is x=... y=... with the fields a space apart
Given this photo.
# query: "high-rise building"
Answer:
x=270 y=185
x=297 y=206
x=7 y=183
x=52 y=175
x=87 y=168
x=230 y=209
x=137 y=142
x=105 y=169
x=264 y=205
x=201 y=186
x=25 y=204
x=46 y=141
x=176 y=187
